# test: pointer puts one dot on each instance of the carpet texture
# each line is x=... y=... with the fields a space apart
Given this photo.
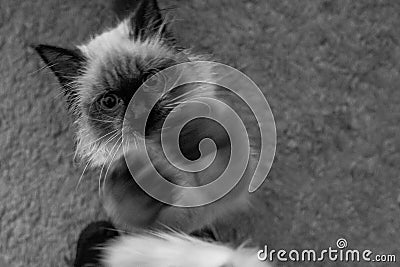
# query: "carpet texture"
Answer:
x=329 y=69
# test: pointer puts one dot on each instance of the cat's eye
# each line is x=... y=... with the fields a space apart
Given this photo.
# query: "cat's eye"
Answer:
x=109 y=101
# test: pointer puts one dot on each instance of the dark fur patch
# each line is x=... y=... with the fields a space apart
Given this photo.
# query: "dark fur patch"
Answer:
x=123 y=77
x=146 y=20
x=66 y=65
x=91 y=239
x=123 y=8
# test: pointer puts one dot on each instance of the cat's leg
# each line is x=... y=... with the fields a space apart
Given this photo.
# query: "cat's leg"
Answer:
x=129 y=206
x=125 y=202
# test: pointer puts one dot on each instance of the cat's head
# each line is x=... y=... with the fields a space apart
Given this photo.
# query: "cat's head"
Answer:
x=100 y=77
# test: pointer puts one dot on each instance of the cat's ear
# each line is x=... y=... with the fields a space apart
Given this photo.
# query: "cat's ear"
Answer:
x=65 y=63
x=146 y=20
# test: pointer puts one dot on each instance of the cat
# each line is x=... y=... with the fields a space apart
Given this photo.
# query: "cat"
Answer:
x=99 y=78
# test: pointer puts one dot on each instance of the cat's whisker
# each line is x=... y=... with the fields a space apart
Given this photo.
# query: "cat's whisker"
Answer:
x=106 y=121
x=99 y=182
x=80 y=178
x=61 y=90
x=102 y=168
x=75 y=155
x=106 y=143
x=109 y=140
x=71 y=84
x=109 y=165
x=104 y=164
x=178 y=98
x=112 y=118
x=91 y=143
x=42 y=68
x=111 y=132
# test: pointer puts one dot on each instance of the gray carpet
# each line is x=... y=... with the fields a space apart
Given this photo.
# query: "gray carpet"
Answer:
x=330 y=70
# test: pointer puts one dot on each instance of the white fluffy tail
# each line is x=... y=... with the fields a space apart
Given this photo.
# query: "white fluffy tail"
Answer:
x=178 y=250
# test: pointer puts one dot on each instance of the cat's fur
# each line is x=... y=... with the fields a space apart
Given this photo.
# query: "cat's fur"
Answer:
x=173 y=249
x=105 y=72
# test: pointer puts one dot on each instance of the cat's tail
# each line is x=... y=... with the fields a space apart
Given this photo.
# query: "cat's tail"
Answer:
x=175 y=249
